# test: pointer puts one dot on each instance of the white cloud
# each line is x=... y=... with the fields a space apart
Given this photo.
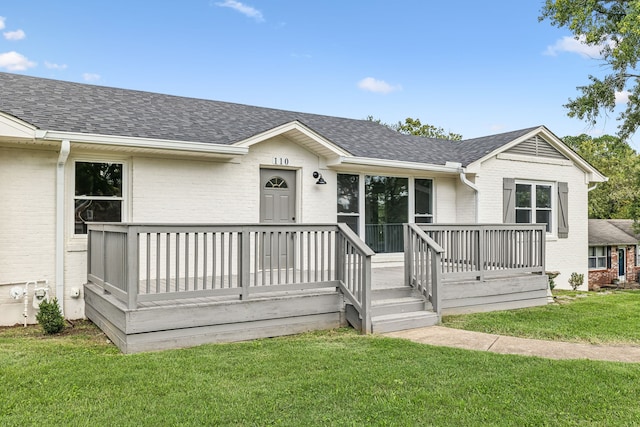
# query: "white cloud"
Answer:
x=53 y=66
x=249 y=11
x=14 y=35
x=622 y=97
x=378 y=86
x=91 y=77
x=579 y=46
x=2 y=19
x=14 y=61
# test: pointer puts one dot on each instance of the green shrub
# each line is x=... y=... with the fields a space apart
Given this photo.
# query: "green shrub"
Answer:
x=50 y=317
x=576 y=280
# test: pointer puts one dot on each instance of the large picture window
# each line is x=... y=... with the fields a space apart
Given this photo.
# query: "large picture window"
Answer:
x=386 y=209
x=98 y=194
x=383 y=204
x=534 y=203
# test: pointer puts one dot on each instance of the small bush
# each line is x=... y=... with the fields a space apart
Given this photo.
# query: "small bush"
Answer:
x=50 y=317
x=576 y=280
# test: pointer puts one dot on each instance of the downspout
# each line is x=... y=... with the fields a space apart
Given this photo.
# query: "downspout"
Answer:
x=65 y=148
x=465 y=181
x=592 y=188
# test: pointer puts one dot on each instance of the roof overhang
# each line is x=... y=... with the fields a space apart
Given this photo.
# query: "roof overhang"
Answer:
x=301 y=135
x=143 y=145
x=592 y=174
x=16 y=129
x=366 y=164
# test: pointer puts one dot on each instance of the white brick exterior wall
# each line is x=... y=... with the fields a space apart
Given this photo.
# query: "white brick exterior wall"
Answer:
x=563 y=255
x=27 y=225
x=171 y=190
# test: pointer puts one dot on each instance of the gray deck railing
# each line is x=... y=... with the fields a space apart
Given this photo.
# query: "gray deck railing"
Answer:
x=476 y=251
x=353 y=262
x=422 y=258
x=152 y=262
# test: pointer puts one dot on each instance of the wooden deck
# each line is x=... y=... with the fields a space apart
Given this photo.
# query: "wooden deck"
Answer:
x=154 y=287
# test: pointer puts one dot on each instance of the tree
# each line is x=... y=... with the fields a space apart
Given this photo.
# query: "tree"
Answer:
x=617 y=198
x=612 y=26
x=415 y=127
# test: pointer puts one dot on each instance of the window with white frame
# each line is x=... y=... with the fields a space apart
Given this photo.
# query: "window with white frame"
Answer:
x=349 y=200
x=97 y=193
x=423 y=201
x=597 y=257
x=534 y=203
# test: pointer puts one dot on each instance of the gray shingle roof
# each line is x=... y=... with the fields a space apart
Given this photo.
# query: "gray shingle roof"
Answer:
x=74 y=107
x=605 y=232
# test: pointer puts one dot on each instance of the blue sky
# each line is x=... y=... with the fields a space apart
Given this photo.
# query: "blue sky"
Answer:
x=471 y=67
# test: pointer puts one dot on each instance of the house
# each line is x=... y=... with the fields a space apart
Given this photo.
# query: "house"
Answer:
x=72 y=154
x=613 y=252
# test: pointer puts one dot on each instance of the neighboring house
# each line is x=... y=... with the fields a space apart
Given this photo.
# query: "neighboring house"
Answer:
x=72 y=153
x=613 y=252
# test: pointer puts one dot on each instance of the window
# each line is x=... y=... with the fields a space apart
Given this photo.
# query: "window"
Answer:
x=423 y=201
x=386 y=209
x=534 y=204
x=98 y=194
x=597 y=258
x=348 y=200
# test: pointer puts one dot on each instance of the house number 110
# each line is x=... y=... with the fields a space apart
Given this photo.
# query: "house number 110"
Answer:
x=280 y=161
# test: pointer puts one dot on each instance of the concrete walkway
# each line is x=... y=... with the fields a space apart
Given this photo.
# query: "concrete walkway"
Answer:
x=449 y=337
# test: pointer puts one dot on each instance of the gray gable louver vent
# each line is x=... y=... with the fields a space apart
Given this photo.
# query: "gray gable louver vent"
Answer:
x=537 y=147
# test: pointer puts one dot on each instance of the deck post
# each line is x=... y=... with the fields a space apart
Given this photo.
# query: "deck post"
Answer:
x=482 y=230
x=133 y=265
x=436 y=280
x=408 y=255
x=366 y=295
x=244 y=263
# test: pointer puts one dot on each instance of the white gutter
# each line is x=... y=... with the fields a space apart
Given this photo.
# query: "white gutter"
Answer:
x=465 y=181
x=65 y=148
x=397 y=164
x=145 y=143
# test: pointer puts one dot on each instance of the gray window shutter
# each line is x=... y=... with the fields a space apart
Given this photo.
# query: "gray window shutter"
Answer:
x=509 y=200
x=563 y=210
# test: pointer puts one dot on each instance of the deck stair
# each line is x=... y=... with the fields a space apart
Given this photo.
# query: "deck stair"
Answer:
x=395 y=309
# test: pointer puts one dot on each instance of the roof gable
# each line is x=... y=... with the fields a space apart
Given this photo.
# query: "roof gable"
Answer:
x=536 y=146
x=15 y=128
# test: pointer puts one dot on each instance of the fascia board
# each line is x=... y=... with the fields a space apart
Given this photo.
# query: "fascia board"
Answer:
x=396 y=164
x=13 y=127
x=153 y=144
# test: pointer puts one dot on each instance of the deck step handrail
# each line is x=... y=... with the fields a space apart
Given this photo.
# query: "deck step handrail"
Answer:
x=422 y=260
x=140 y=263
x=353 y=262
x=477 y=251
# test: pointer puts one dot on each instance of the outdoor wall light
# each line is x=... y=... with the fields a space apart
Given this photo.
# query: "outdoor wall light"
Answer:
x=320 y=180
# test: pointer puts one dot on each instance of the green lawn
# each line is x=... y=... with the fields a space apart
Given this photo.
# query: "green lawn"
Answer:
x=328 y=378
x=593 y=317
